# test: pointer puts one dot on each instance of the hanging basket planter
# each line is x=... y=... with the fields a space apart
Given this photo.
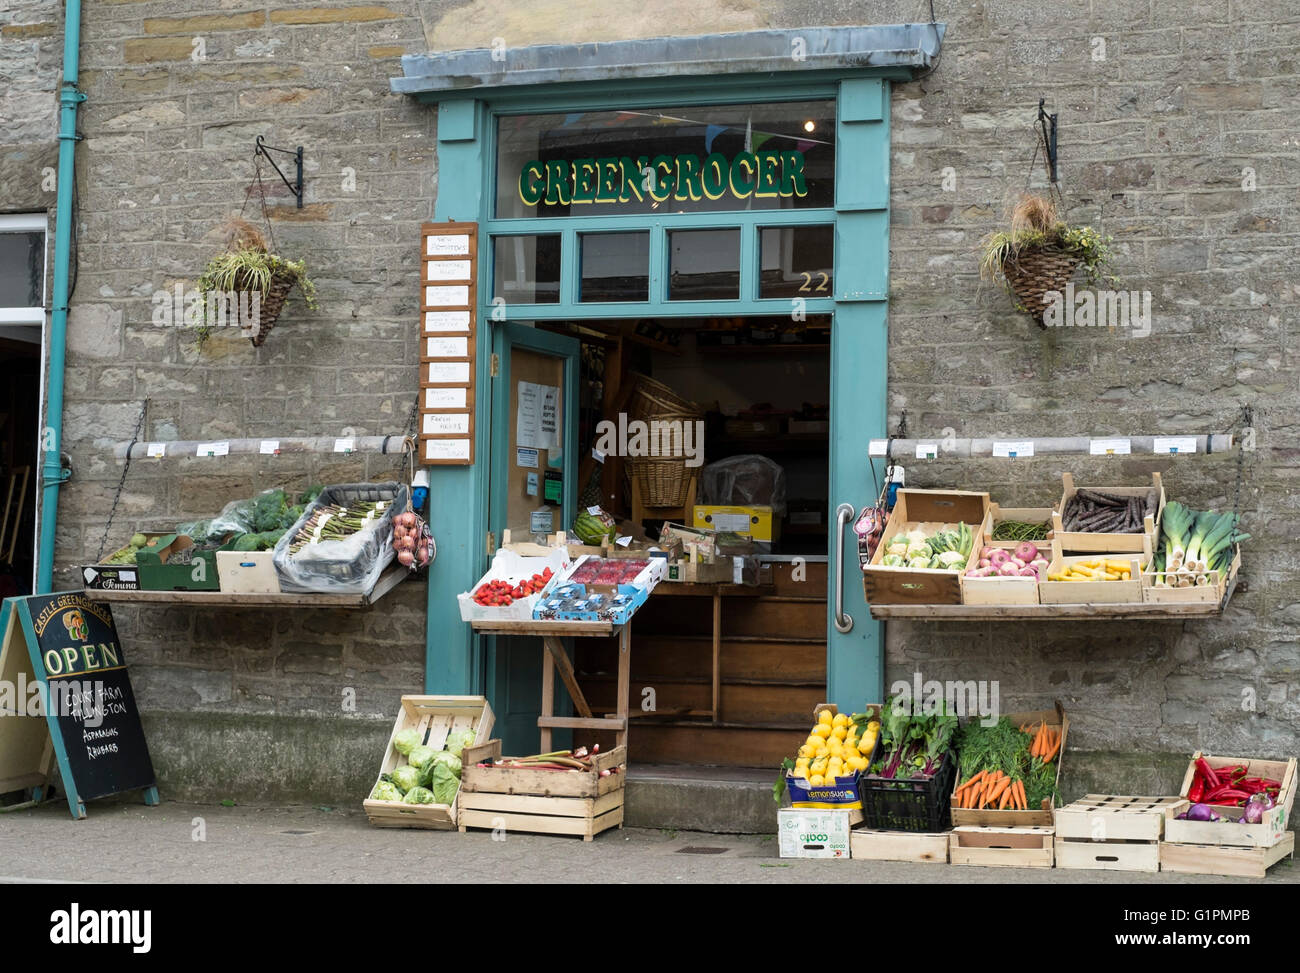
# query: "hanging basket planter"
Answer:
x=246 y=285
x=1041 y=254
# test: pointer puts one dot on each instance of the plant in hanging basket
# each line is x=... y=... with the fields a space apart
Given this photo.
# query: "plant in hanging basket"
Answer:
x=248 y=283
x=1040 y=254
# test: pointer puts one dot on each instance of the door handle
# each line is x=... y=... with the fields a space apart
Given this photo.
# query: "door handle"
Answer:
x=843 y=514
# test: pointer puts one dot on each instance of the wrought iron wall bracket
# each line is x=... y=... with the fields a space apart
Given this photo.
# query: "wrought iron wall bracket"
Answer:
x=295 y=187
x=1048 y=124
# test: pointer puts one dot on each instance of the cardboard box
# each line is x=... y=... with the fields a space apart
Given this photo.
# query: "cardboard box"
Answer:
x=571 y=602
x=754 y=522
x=124 y=577
x=931 y=510
x=813 y=834
x=720 y=571
x=512 y=567
x=157 y=574
x=247 y=572
x=1041 y=817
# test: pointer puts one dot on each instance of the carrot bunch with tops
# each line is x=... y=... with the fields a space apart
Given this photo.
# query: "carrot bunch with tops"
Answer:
x=1047 y=742
x=992 y=789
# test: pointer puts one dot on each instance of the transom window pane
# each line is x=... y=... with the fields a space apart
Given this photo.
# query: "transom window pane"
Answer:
x=615 y=266
x=680 y=159
x=527 y=268
x=796 y=261
x=704 y=265
x=22 y=268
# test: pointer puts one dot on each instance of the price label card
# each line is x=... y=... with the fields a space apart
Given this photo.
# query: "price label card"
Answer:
x=624 y=541
x=878 y=447
x=446 y=321
x=269 y=447
x=927 y=450
x=447 y=373
x=541 y=521
x=344 y=445
x=1022 y=447
x=1174 y=444
x=452 y=295
x=451 y=245
x=214 y=449
x=446 y=347
x=444 y=424
x=526 y=457
x=437 y=270
x=594 y=511
x=598 y=456
x=446 y=449
x=1109 y=447
x=533 y=487
x=445 y=398
x=158 y=450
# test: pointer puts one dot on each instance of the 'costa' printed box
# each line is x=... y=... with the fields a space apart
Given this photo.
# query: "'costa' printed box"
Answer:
x=813 y=834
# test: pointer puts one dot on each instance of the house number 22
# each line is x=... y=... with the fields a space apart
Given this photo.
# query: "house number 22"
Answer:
x=808 y=279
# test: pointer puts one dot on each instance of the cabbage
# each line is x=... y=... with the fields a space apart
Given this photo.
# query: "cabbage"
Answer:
x=419 y=756
x=458 y=741
x=443 y=783
x=406 y=777
x=418 y=795
x=385 y=791
x=406 y=741
x=441 y=757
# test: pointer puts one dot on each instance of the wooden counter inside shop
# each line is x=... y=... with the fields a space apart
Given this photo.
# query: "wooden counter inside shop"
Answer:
x=770 y=660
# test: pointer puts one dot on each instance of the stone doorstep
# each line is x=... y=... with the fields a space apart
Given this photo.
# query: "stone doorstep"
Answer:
x=720 y=800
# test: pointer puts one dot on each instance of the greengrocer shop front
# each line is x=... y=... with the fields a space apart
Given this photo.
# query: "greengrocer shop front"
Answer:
x=712 y=212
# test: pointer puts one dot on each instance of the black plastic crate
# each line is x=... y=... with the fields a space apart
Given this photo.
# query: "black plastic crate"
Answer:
x=909 y=805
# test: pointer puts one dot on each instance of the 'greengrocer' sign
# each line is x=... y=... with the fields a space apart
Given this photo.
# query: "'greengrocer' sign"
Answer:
x=623 y=179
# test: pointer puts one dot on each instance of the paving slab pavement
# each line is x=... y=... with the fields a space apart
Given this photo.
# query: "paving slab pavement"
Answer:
x=211 y=843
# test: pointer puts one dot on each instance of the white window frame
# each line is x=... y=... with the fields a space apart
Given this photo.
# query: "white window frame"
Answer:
x=25 y=223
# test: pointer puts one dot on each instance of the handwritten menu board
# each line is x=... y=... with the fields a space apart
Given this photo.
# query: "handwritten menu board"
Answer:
x=448 y=284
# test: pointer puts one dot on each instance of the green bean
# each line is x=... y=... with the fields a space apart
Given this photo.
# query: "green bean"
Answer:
x=1020 y=530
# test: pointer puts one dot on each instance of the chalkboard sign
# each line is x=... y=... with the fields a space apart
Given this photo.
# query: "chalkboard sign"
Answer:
x=85 y=691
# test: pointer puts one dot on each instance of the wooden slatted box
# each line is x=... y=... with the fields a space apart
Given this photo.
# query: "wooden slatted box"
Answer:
x=898 y=846
x=931 y=510
x=542 y=801
x=1114 y=833
x=1002 y=847
x=435 y=717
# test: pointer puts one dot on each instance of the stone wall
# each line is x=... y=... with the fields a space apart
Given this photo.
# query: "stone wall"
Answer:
x=1177 y=138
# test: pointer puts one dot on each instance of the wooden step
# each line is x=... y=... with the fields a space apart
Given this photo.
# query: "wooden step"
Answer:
x=742 y=705
x=662 y=657
x=725 y=746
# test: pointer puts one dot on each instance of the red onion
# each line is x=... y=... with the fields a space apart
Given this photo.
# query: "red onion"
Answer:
x=1258 y=805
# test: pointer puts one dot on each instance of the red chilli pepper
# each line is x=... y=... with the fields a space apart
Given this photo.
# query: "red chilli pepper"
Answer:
x=1197 y=791
x=1211 y=778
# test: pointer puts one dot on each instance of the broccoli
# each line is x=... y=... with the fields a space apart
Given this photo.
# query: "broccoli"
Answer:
x=269 y=510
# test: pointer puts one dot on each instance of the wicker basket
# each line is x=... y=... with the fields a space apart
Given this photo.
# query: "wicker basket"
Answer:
x=1035 y=272
x=663 y=482
x=272 y=304
x=655 y=400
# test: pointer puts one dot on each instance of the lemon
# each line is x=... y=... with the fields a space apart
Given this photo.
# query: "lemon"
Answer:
x=806 y=751
x=817 y=767
x=840 y=719
x=822 y=753
x=816 y=780
x=801 y=762
x=836 y=748
x=814 y=740
x=858 y=763
x=801 y=772
x=826 y=718
x=839 y=733
x=850 y=753
x=823 y=730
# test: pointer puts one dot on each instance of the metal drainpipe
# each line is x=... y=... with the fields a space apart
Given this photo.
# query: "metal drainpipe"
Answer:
x=52 y=473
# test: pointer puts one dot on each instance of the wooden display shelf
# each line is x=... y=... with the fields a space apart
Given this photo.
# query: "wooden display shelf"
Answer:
x=276 y=599
x=541 y=627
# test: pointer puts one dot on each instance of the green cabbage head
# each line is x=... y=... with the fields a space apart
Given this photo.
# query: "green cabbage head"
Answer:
x=406 y=777
x=441 y=757
x=459 y=740
x=444 y=784
x=385 y=791
x=419 y=756
x=418 y=795
x=406 y=741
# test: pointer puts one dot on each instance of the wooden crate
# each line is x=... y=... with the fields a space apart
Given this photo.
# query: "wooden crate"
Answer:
x=1272 y=830
x=1080 y=541
x=1113 y=833
x=1039 y=817
x=1206 y=594
x=1004 y=847
x=435 y=717
x=541 y=801
x=931 y=510
x=1032 y=515
x=898 y=846
x=1092 y=592
x=1222 y=859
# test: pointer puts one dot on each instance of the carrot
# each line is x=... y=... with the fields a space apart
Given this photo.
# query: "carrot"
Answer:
x=1002 y=785
x=1020 y=793
x=1052 y=753
x=1006 y=796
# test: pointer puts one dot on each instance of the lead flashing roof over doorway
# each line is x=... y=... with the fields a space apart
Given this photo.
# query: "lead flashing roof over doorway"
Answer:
x=898 y=46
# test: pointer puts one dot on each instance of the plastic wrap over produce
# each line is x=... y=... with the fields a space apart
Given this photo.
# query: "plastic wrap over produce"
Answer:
x=745 y=481
x=343 y=541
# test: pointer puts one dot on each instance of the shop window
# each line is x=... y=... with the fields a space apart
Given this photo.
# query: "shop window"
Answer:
x=527 y=268
x=772 y=156
x=796 y=261
x=704 y=265
x=615 y=267
x=22 y=268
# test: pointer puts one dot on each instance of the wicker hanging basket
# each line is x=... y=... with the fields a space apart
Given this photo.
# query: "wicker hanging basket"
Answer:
x=655 y=399
x=1035 y=272
x=664 y=482
x=272 y=303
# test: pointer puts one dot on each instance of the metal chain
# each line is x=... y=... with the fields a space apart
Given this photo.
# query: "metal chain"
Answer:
x=135 y=437
x=1247 y=422
x=410 y=432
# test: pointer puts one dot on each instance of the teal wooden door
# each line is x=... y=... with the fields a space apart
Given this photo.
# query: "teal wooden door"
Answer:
x=534 y=490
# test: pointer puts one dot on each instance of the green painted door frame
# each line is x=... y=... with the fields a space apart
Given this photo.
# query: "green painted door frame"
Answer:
x=456 y=662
